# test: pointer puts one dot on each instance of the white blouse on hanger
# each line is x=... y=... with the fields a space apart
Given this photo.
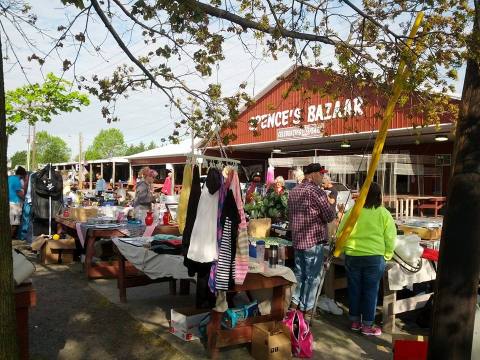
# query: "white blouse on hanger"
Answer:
x=203 y=242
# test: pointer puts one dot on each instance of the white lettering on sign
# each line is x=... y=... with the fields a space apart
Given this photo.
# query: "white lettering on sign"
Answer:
x=299 y=133
x=315 y=113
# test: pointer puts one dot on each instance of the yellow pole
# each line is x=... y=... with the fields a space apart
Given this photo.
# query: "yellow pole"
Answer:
x=402 y=74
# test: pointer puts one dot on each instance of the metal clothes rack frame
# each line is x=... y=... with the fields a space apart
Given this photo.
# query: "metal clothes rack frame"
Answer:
x=227 y=161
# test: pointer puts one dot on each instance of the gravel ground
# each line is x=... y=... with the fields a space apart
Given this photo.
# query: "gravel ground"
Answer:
x=71 y=321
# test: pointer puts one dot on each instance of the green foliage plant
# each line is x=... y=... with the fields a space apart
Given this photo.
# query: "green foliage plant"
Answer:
x=41 y=102
x=272 y=205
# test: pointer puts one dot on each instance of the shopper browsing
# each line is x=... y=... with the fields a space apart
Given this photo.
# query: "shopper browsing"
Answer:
x=16 y=195
x=167 y=184
x=144 y=192
x=309 y=213
x=100 y=185
x=370 y=243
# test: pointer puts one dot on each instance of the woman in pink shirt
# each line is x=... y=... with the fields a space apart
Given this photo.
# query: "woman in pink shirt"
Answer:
x=167 y=185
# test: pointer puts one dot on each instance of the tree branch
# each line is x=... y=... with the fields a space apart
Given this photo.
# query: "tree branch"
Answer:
x=149 y=28
x=122 y=45
x=249 y=24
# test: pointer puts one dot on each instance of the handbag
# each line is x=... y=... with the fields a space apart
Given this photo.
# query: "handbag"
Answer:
x=22 y=267
x=231 y=317
x=408 y=252
x=300 y=334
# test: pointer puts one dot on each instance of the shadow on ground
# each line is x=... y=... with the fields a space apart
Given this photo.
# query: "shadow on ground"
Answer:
x=71 y=321
x=80 y=319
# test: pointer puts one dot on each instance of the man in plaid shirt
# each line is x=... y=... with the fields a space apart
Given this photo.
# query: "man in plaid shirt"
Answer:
x=309 y=213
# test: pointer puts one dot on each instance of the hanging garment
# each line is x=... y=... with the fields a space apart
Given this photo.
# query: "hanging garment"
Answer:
x=184 y=196
x=193 y=200
x=221 y=198
x=47 y=184
x=230 y=219
x=270 y=176
x=241 y=256
x=25 y=228
x=203 y=241
x=204 y=298
x=167 y=186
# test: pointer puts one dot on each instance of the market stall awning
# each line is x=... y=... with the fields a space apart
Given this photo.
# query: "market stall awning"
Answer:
x=168 y=154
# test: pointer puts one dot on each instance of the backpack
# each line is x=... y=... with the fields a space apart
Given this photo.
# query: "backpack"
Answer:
x=300 y=335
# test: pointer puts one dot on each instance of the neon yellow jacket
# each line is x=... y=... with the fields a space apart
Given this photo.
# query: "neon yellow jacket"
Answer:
x=373 y=234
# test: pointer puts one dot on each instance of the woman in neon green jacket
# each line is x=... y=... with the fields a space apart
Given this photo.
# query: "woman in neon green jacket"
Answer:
x=370 y=243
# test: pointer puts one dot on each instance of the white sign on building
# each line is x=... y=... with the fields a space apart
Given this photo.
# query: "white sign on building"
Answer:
x=295 y=132
x=338 y=109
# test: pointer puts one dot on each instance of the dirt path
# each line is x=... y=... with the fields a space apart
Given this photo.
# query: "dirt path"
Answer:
x=72 y=321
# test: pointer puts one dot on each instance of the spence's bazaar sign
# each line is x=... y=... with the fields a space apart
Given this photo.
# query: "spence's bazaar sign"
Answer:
x=314 y=114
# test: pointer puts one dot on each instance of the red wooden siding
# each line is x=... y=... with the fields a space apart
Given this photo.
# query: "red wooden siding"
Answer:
x=274 y=101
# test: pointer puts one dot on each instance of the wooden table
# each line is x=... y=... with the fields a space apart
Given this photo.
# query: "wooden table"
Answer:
x=102 y=269
x=242 y=333
x=129 y=276
x=25 y=297
x=435 y=203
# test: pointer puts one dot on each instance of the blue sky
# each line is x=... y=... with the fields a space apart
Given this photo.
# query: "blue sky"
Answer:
x=144 y=116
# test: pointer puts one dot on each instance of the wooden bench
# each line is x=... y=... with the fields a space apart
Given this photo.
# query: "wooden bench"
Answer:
x=434 y=203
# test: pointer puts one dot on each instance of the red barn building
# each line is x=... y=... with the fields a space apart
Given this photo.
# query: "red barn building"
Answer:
x=293 y=123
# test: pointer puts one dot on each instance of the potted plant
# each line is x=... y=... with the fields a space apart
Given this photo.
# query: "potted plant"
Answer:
x=276 y=205
x=262 y=210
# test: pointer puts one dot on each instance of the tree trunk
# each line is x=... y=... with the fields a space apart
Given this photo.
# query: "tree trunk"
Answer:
x=8 y=324
x=458 y=272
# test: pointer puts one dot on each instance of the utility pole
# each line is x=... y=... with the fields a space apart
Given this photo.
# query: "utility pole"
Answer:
x=80 y=161
x=34 y=150
x=28 y=149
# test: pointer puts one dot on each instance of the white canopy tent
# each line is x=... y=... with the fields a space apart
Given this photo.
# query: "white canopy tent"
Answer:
x=389 y=168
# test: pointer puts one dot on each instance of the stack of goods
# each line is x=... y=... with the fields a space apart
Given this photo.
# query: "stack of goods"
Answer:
x=427 y=229
x=166 y=244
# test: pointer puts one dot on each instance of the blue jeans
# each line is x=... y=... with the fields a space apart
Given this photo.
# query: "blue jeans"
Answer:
x=25 y=229
x=308 y=264
x=363 y=276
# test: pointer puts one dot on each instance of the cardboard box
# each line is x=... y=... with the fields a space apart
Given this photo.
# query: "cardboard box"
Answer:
x=424 y=233
x=271 y=340
x=184 y=322
x=82 y=213
x=55 y=251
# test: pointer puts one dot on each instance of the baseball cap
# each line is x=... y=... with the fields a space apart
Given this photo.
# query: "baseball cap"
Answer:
x=315 y=167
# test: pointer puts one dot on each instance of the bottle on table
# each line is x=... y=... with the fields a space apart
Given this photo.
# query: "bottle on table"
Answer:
x=260 y=251
x=273 y=256
x=281 y=254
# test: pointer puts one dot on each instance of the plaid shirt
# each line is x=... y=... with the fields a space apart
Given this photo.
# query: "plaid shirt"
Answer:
x=309 y=212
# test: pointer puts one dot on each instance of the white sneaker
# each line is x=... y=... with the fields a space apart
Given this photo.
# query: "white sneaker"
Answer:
x=333 y=307
x=329 y=305
x=323 y=304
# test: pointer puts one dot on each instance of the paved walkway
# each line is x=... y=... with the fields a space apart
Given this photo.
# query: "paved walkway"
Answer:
x=79 y=319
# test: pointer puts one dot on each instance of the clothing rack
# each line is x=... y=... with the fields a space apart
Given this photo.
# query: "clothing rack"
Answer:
x=215 y=158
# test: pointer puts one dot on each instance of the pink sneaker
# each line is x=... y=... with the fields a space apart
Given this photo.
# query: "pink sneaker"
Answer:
x=355 y=326
x=371 y=330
